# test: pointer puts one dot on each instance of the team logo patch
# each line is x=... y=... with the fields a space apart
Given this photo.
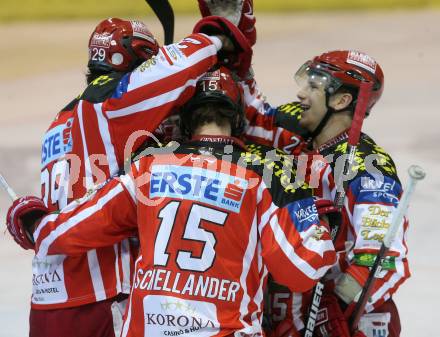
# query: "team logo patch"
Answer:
x=303 y=214
x=101 y=40
x=385 y=190
x=362 y=60
x=191 y=183
x=211 y=76
x=57 y=142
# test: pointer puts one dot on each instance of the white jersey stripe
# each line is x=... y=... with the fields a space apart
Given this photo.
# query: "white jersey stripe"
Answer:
x=258 y=300
x=106 y=139
x=87 y=168
x=125 y=256
x=277 y=137
x=247 y=260
x=118 y=278
x=289 y=251
x=153 y=102
x=127 y=320
x=296 y=311
x=95 y=273
x=128 y=182
x=73 y=221
x=258 y=131
x=46 y=220
x=386 y=286
x=162 y=70
x=265 y=217
x=325 y=246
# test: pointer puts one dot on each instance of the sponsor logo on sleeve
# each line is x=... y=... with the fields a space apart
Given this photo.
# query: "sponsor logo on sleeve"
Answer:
x=191 y=183
x=173 y=52
x=303 y=214
x=383 y=190
x=375 y=220
x=57 y=142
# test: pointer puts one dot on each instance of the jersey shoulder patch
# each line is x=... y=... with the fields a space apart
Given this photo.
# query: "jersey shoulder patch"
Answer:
x=102 y=88
x=370 y=158
x=279 y=173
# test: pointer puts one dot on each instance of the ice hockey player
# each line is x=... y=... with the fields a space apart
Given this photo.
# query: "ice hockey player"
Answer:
x=132 y=85
x=329 y=86
x=211 y=225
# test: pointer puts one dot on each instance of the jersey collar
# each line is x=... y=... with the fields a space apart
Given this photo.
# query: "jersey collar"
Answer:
x=224 y=140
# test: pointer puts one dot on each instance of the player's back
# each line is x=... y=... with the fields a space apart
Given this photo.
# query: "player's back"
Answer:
x=214 y=218
x=77 y=153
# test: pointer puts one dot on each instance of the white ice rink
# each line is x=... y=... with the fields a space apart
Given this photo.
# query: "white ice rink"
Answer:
x=42 y=68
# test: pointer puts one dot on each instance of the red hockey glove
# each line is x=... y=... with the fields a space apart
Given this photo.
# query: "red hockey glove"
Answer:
x=328 y=212
x=239 y=12
x=21 y=217
x=331 y=321
x=238 y=61
x=285 y=329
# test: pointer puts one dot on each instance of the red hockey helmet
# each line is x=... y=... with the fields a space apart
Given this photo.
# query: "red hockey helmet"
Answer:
x=120 y=45
x=220 y=87
x=344 y=68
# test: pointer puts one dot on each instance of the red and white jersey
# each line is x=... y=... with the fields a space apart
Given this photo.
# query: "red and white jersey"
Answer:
x=87 y=144
x=272 y=126
x=214 y=219
x=372 y=198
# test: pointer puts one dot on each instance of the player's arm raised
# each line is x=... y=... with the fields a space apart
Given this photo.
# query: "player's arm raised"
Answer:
x=159 y=86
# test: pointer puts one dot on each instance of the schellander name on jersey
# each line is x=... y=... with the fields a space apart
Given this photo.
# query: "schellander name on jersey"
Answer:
x=186 y=284
x=215 y=188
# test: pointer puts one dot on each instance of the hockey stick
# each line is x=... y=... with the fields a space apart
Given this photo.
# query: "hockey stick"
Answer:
x=353 y=140
x=416 y=173
x=165 y=14
x=341 y=186
x=8 y=188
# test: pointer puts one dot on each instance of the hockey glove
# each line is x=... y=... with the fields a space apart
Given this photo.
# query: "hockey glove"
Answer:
x=21 y=218
x=328 y=212
x=331 y=321
x=239 y=60
x=239 y=12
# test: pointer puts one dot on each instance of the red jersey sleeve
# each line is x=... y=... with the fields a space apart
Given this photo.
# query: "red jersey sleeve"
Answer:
x=272 y=126
x=295 y=245
x=103 y=217
x=154 y=90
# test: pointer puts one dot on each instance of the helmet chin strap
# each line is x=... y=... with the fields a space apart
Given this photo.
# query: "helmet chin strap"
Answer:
x=324 y=120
